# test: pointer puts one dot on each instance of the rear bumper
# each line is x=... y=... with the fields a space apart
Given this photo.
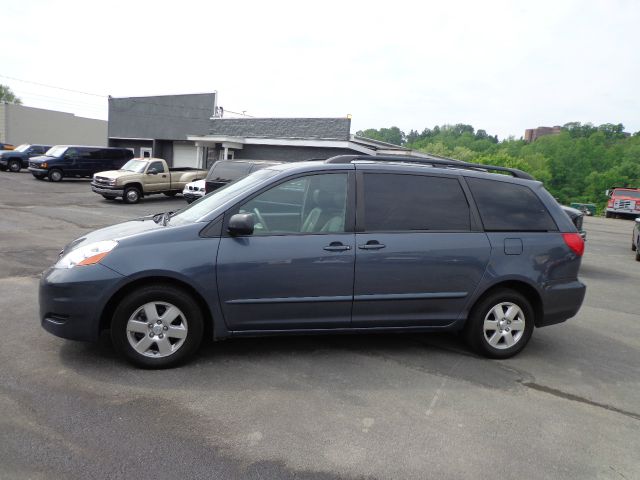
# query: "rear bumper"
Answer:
x=561 y=301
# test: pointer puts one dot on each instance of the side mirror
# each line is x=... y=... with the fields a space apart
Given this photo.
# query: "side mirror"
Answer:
x=241 y=224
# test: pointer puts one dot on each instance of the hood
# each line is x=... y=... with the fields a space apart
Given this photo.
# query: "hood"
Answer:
x=116 y=232
x=41 y=158
x=197 y=184
x=114 y=174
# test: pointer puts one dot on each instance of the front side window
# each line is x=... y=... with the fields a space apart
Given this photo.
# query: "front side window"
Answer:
x=157 y=166
x=508 y=207
x=399 y=203
x=310 y=204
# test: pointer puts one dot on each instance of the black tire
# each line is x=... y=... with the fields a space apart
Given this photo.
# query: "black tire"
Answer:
x=14 y=166
x=39 y=177
x=3 y=168
x=106 y=197
x=170 y=194
x=607 y=214
x=131 y=195
x=476 y=334
x=55 y=175
x=638 y=255
x=633 y=247
x=130 y=317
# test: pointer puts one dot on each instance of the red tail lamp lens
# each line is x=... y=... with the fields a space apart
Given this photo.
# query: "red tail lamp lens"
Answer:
x=575 y=242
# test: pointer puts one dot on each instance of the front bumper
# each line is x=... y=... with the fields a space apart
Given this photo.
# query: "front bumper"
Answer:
x=561 y=301
x=191 y=196
x=108 y=191
x=38 y=171
x=4 y=163
x=72 y=300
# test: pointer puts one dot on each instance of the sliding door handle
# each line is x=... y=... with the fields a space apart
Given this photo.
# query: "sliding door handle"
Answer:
x=372 y=245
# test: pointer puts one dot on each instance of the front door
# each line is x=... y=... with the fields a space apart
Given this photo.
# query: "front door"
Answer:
x=157 y=180
x=418 y=261
x=296 y=270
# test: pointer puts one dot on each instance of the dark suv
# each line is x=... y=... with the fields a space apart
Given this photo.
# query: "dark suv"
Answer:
x=350 y=244
x=77 y=161
x=17 y=159
x=227 y=171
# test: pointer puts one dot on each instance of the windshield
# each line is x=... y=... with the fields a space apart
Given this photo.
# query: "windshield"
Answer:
x=208 y=203
x=56 y=151
x=22 y=148
x=136 y=166
x=627 y=193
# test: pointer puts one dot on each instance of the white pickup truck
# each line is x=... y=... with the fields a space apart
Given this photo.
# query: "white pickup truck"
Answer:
x=144 y=176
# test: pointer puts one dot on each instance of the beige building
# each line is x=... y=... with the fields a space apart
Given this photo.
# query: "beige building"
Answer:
x=20 y=124
x=531 y=134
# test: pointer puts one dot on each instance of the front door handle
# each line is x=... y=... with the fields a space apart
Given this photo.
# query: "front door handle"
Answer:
x=336 y=247
x=372 y=245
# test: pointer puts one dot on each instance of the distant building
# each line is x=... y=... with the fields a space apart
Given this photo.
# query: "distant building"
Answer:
x=192 y=131
x=532 y=134
x=20 y=124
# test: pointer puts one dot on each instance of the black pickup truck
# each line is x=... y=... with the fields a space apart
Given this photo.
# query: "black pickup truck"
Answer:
x=14 y=160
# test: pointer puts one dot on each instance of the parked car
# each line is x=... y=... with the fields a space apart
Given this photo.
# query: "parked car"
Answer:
x=17 y=159
x=635 y=239
x=577 y=217
x=77 y=161
x=194 y=190
x=6 y=146
x=623 y=202
x=221 y=173
x=351 y=244
x=144 y=176
x=225 y=171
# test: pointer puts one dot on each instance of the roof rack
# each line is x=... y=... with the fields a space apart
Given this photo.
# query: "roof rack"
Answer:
x=436 y=162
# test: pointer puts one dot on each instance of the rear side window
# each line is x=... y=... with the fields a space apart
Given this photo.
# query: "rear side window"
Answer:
x=228 y=171
x=414 y=202
x=508 y=207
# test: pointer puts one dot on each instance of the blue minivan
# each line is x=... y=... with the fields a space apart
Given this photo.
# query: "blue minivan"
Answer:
x=77 y=161
x=350 y=244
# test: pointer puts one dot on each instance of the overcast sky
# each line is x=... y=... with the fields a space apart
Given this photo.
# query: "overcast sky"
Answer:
x=498 y=65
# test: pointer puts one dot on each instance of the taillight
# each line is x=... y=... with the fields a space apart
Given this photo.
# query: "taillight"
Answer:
x=575 y=242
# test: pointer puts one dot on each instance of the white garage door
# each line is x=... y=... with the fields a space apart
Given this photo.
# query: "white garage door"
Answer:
x=185 y=155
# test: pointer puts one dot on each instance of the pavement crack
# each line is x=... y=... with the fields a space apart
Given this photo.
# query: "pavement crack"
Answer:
x=576 y=398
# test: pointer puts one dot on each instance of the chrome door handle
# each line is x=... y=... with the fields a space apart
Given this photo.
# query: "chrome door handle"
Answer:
x=336 y=247
x=372 y=245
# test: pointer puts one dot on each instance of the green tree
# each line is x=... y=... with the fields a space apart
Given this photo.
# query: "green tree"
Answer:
x=7 y=96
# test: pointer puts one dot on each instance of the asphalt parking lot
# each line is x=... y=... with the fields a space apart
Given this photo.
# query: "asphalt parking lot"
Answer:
x=361 y=406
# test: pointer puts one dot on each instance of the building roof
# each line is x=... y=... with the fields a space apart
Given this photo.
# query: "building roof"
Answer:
x=285 y=128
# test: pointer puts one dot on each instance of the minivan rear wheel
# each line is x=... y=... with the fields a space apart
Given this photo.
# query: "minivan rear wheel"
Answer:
x=55 y=175
x=157 y=326
x=500 y=325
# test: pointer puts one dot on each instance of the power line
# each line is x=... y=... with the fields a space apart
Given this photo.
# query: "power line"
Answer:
x=52 y=86
x=134 y=100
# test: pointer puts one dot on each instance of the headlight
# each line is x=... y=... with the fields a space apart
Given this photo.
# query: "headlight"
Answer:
x=87 y=254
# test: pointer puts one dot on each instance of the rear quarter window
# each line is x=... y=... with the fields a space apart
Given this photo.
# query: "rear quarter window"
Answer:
x=228 y=171
x=507 y=207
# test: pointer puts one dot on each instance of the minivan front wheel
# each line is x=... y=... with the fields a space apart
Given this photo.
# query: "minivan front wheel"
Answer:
x=500 y=325
x=55 y=175
x=157 y=326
